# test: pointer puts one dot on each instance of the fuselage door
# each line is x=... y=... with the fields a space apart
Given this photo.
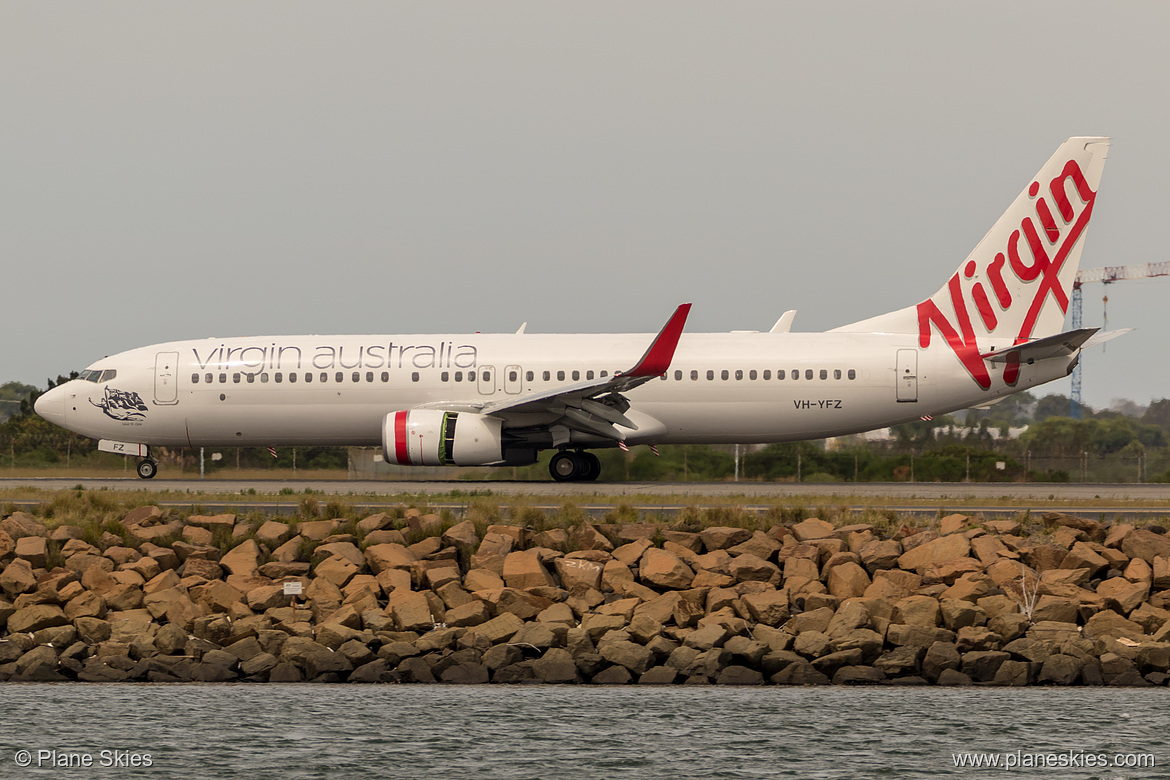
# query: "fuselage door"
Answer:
x=907 y=375
x=166 y=378
x=512 y=381
x=487 y=380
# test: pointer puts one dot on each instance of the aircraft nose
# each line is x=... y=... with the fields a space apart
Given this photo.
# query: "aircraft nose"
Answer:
x=51 y=406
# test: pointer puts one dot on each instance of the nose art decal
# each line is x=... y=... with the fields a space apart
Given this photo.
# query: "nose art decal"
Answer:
x=122 y=405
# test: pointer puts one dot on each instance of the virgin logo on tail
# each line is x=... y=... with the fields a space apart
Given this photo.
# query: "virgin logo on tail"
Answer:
x=1038 y=269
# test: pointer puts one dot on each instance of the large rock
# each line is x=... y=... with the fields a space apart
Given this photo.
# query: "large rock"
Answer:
x=1128 y=595
x=813 y=528
x=523 y=569
x=848 y=580
x=633 y=656
x=36 y=617
x=34 y=549
x=580 y=573
x=1146 y=545
x=941 y=550
x=21 y=524
x=381 y=557
x=769 y=607
x=17 y=578
x=722 y=537
x=751 y=568
x=665 y=570
x=242 y=559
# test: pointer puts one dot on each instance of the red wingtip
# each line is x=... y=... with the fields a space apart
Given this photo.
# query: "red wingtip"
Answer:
x=657 y=359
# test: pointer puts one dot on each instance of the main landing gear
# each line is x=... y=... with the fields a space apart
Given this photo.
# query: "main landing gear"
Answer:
x=147 y=468
x=573 y=466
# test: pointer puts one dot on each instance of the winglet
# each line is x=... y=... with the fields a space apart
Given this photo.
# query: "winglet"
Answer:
x=657 y=358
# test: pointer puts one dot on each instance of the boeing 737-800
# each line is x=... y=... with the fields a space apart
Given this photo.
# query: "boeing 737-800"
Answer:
x=995 y=327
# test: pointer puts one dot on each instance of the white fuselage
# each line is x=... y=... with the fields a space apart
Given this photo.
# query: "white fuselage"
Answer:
x=336 y=390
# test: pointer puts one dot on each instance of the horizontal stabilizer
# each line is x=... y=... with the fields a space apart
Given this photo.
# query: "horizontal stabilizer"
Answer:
x=1101 y=338
x=1060 y=345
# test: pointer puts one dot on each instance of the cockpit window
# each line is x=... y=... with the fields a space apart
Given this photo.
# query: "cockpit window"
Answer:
x=89 y=375
x=108 y=375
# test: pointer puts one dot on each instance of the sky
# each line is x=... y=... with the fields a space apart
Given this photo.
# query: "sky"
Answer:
x=182 y=170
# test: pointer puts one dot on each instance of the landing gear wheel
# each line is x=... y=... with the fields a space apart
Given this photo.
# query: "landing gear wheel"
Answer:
x=147 y=468
x=591 y=466
x=566 y=466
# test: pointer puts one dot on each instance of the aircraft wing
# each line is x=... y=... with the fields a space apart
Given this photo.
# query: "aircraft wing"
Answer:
x=1060 y=345
x=597 y=406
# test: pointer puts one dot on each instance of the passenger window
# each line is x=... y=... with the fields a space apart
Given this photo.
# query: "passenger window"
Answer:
x=752 y=374
x=796 y=373
x=251 y=378
x=235 y=379
x=308 y=376
x=710 y=375
x=739 y=373
x=487 y=377
x=369 y=376
x=547 y=376
x=852 y=374
x=836 y=373
x=444 y=377
x=808 y=373
x=576 y=375
x=724 y=375
x=529 y=376
x=513 y=376
x=263 y=378
x=414 y=376
x=560 y=376
x=589 y=374
x=357 y=376
x=385 y=376
x=677 y=375
x=223 y=379
x=279 y=377
x=780 y=374
x=694 y=375
x=458 y=376
x=324 y=377
x=470 y=376
x=194 y=379
x=292 y=376
x=340 y=377
x=767 y=374
x=824 y=373
x=208 y=378
x=604 y=374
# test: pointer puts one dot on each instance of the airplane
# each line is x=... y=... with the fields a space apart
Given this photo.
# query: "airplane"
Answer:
x=994 y=328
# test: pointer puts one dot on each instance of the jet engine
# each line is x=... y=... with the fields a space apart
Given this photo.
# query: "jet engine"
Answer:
x=429 y=437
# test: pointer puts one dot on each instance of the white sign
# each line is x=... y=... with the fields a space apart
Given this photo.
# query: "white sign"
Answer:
x=293 y=588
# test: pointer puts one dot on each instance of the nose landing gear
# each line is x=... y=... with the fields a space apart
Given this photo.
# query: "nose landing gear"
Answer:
x=570 y=466
x=147 y=468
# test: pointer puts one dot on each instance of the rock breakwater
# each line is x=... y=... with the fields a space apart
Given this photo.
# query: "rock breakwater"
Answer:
x=413 y=598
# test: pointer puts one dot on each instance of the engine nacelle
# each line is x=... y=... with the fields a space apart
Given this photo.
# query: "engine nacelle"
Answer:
x=429 y=437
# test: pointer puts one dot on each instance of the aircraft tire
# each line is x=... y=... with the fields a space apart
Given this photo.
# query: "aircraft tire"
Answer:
x=566 y=466
x=147 y=468
x=591 y=466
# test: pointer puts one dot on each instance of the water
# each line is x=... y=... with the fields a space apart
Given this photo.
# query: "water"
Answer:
x=520 y=732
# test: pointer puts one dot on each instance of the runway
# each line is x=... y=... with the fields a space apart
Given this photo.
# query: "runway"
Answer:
x=1153 y=495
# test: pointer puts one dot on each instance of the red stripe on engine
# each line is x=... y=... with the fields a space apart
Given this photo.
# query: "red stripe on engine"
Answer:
x=401 y=451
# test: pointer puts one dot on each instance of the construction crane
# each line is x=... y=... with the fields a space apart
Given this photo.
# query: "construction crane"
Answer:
x=1107 y=275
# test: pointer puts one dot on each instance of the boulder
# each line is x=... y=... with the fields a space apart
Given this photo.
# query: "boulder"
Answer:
x=722 y=537
x=1128 y=595
x=36 y=617
x=813 y=528
x=665 y=570
x=848 y=580
x=940 y=550
x=523 y=569
x=34 y=549
x=1147 y=545
x=751 y=568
